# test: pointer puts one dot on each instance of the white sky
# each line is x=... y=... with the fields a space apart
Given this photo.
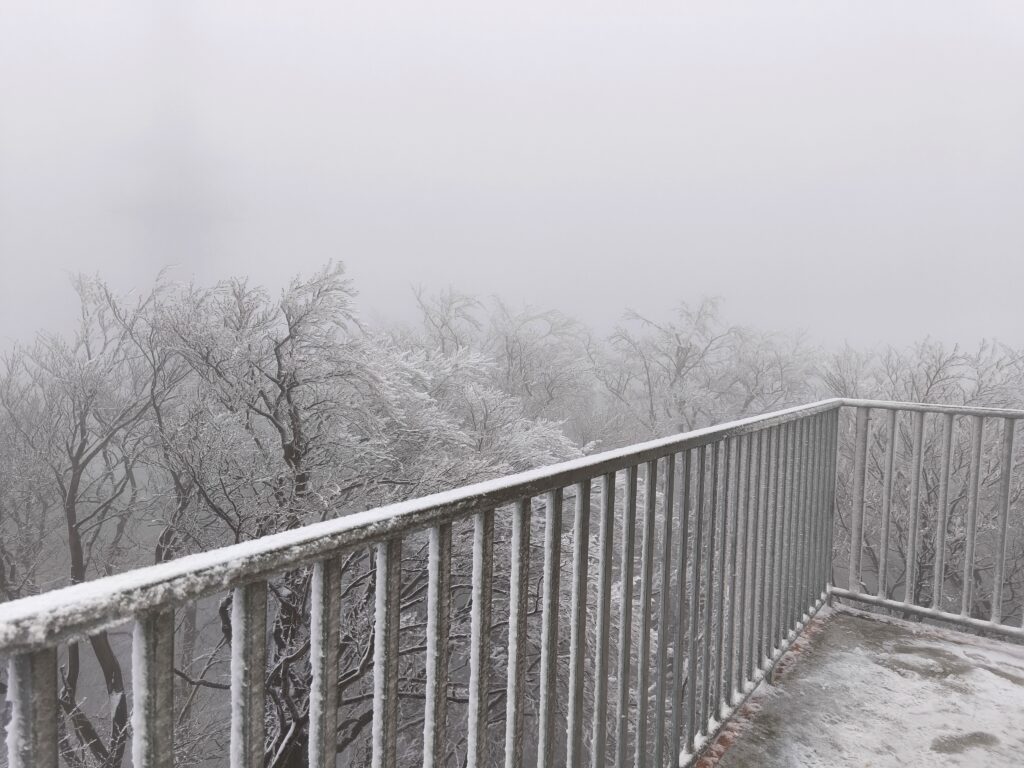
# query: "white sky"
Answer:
x=852 y=168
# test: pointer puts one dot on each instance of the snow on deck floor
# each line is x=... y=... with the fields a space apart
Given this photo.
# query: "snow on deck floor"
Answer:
x=876 y=693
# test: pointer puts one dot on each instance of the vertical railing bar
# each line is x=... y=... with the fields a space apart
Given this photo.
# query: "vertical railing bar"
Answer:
x=977 y=433
x=643 y=659
x=625 y=618
x=683 y=632
x=153 y=690
x=708 y=648
x=548 y=708
x=768 y=565
x=32 y=694
x=604 y=598
x=810 y=556
x=480 y=638
x=754 y=652
x=665 y=611
x=1004 y=516
x=813 y=510
x=747 y=574
x=817 y=575
x=830 y=500
x=792 y=498
x=780 y=543
x=817 y=465
x=578 y=627
x=807 y=425
x=723 y=577
x=519 y=608
x=737 y=524
x=939 y=576
x=860 y=463
x=248 y=673
x=771 y=525
x=887 y=473
x=695 y=587
x=808 y=525
x=914 y=513
x=626 y=570
x=809 y=505
x=439 y=579
x=820 y=576
x=386 y=625
x=324 y=629
x=782 y=525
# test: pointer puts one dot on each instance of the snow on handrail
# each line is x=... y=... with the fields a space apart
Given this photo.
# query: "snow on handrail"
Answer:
x=82 y=609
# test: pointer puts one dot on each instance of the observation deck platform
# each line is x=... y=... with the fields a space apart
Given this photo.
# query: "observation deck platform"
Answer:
x=868 y=691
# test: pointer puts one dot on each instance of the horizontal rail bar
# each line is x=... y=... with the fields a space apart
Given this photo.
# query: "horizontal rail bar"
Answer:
x=83 y=609
x=930 y=613
x=956 y=410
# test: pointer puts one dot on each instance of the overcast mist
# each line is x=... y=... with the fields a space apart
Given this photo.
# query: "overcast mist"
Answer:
x=849 y=168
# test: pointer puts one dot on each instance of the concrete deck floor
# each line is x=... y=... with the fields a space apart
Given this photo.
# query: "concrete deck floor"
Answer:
x=869 y=692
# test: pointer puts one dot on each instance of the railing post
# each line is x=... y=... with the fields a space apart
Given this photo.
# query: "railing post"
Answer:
x=683 y=623
x=1004 y=516
x=860 y=464
x=248 y=673
x=723 y=577
x=325 y=624
x=833 y=479
x=386 y=625
x=153 y=691
x=695 y=590
x=977 y=433
x=643 y=671
x=916 y=459
x=32 y=692
x=939 y=577
x=549 y=630
x=662 y=684
x=519 y=604
x=887 y=473
x=705 y=709
x=604 y=612
x=439 y=577
x=578 y=624
x=480 y=638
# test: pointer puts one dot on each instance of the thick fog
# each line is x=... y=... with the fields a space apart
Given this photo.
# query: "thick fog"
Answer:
x=853 y=169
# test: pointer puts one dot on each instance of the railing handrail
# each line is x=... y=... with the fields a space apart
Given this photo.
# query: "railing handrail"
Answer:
x=762 y=503
x=76 y=611
x=40 y=621
x=957 y=410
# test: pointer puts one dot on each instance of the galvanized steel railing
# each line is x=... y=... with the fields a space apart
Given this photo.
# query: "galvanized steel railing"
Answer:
x=736 y=534
x=933 y=505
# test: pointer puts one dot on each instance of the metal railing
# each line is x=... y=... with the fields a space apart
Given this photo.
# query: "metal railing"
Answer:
x=932 y=505
x=735 y=528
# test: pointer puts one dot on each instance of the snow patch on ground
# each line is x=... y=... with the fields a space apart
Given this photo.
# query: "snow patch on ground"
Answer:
x=866 y=692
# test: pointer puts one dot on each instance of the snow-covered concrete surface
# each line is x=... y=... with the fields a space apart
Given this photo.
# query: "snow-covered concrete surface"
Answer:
x=866 y=692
